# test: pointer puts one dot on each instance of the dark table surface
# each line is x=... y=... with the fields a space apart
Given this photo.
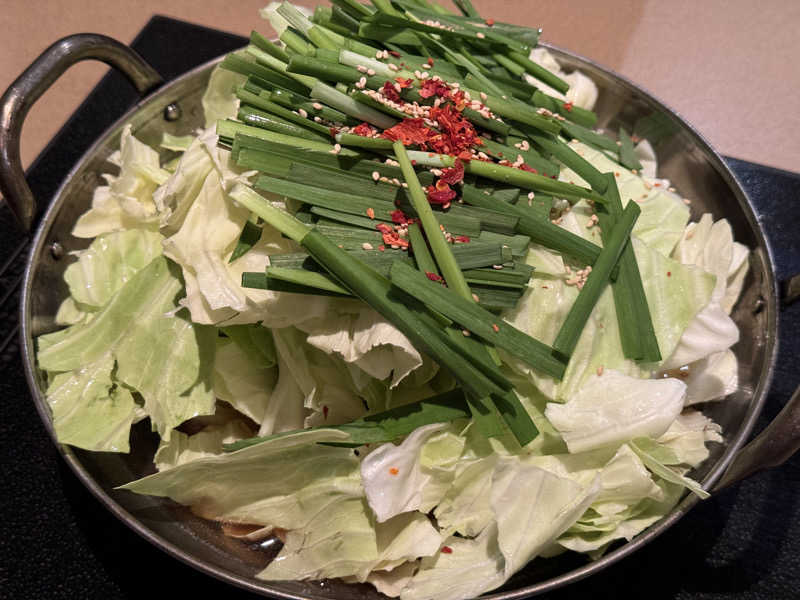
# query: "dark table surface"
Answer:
x=58 y=542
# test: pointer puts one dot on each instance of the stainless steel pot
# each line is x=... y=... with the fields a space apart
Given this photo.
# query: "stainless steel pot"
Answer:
x=684 y=157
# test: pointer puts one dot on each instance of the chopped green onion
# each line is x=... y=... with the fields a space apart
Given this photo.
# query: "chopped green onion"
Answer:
x=579 y=313
x=477 y=320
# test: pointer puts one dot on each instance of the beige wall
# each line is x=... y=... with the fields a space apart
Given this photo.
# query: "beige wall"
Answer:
x=731 y=67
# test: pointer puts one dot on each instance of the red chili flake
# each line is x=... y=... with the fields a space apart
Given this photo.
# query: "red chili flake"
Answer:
x=399 y=217
x=453 y=175
x=393 y=471
x=528 y=168
x=465 y=155
x=371 y=213
x=382 y=248
x=434 y=87
x=495 y=327
x=430 y=61
x=440 y=194
x=447 y=550
x=410 y=131
x=390 y=93
x=490 y=22
x=395 y=53
x=457 y=133
x=392 y=239
x=333 y=131
x=464 y=239
x=383 y=228
x=404 y=83
x=568 y=106
x=459 y=99
x=669 y=273
x=325 y=411
x=364 y=130
x=434 y=277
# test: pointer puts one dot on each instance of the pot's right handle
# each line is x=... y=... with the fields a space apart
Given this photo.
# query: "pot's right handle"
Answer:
x=34 y=81
x=772 y=447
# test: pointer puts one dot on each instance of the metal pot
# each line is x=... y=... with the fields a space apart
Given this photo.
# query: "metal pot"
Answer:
x=684 y=157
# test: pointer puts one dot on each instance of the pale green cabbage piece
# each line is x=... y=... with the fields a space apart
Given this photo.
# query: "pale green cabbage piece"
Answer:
x=613 y=408
x=207 y=236
x=88 y=411
x=168 y=360
x=127 y=202
x=239 y=381
x=219 y=101
x=109 y=261
x=182 y=448
x=664 y=214
x=471 y=567
x=284 y=482
x=658 y=458
x=165 y=358
x=413 y=475
x=174 y=198
x=347 y=542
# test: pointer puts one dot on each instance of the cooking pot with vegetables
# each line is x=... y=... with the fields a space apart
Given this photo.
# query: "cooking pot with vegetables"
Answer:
x=684 y=158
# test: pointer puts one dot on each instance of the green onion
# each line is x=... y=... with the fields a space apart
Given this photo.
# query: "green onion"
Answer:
x=360 y=141
x=389 y=425
x=249 y=237
x=296 y=43
x=579 y=313
x=573 y=160
x=589 y=137
x=343 y=102
x=539 y=72
x=266 y=45
x=306 y=278
x=510 y=175
x=263 y=103
x=283 y=221
x=439 y=246
x=627 y=153
x=296 y=102
x=419 y=247
x=230 y=129
x=264 y=120
x=636 y=330
x=480 y=322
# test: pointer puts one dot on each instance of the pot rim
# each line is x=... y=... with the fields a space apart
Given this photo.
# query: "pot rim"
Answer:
x=574 y=575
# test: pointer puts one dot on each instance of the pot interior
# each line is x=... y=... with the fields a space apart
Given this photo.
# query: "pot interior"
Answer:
x=684 y=158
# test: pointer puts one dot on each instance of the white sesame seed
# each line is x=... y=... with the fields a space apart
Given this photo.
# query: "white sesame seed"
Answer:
x=336 y=149
x=303 y=113
x=376 y=176
x=361 y=68
x=480 y=35
x=366 y=246
x=393 y=67
x=317 y=106
x=361 y=83
x=370 y=72
x=317 y=120
x=497 y=267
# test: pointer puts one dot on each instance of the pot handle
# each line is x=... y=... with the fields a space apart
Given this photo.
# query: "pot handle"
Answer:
x=34 y=81
x=770 y=448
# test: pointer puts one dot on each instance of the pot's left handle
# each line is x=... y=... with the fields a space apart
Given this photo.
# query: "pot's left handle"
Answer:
x=34 y=81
